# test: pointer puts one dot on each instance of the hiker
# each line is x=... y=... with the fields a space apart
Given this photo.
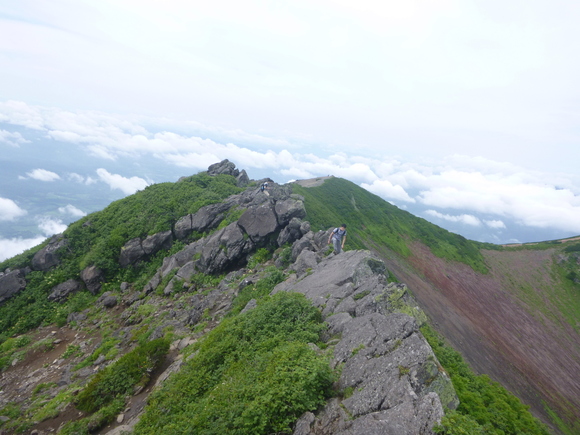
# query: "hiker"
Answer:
x=264 y=188
x=338 y=237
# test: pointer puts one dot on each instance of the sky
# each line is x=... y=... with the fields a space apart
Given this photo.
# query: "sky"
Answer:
x=465 y=113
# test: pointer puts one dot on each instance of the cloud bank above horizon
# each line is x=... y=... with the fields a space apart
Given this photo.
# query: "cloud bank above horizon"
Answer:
x=466 y=191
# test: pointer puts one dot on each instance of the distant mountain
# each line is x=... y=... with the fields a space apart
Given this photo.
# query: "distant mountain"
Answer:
x=153 y=316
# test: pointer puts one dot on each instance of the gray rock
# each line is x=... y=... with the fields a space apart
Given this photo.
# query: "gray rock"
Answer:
x=136 y=250
x=205 y=219
x=224 y=249
x=223 y=167
x=250 y=306
x=291 y=232
x=393 y=379
x=11 y=283
x=48 y=256
x=76 y=317
x=131 y=252
x=157 y=242
x=288 y=209
x=62 y=291
x=306 y=261
x=259 y=222
x=93 y=277
x=107 y=299
x=242 y=180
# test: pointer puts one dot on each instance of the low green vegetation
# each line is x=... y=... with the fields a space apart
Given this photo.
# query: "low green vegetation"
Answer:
x=373 y=223
x=253 y=374
x=485 y=406
x=120 y=378
x=97 y=239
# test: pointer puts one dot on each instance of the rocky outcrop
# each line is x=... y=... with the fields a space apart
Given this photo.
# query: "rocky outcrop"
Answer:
x=391 y=380
x=242 y=180
x=205 y=219
x=62 y=291
x=48 y=256
x=223 y=167
x=93 y=277
x=11 y=283
x=136 y=250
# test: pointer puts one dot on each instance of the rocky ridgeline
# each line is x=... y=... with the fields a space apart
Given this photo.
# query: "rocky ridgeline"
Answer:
x=390 y=382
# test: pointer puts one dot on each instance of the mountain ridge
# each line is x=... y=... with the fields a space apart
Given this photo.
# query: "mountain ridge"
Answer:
x=216 y=239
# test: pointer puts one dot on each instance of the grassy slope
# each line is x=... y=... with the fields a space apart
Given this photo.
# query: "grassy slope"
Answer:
x=374 y=223
x=508 y=301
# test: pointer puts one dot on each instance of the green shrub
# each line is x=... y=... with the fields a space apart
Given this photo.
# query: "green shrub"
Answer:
x=261 y=256
x=119 y=379
x=253 y=374
x=263 y=287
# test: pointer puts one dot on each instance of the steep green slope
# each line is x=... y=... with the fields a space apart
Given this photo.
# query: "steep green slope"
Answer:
x=374 y=223
x=97 y=239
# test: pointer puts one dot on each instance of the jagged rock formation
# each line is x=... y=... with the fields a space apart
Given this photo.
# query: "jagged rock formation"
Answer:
x=391 y=377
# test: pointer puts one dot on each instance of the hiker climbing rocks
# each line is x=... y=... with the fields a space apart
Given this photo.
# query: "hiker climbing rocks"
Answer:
x=264 y=188
x=338 y=237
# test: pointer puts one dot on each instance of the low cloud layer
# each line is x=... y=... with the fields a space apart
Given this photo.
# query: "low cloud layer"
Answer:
x=11 y=247
x=127 y=185
x=72 y=211
x=459 y=189
x=9 y=210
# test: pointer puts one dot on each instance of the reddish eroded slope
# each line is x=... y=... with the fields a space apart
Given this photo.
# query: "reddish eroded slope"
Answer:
x=486 y=319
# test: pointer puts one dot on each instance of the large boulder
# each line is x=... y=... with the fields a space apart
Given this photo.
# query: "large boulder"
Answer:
x=223 y=167
x=242 y=180
x=62 y=291
x=291 y=232
x=225 y=249
x=136 y=250
x=93 y=277
x=288 y=209
x=11 y=283
x=205 y=219
x=259 y=222
x=48 y=256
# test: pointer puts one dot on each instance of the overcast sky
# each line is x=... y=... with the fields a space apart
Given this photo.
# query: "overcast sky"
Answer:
x=464 y=112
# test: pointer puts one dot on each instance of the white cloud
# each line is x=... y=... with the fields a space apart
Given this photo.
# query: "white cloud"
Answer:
x=50 y=226
x=72 y=210
x=73 y=176
x=495 y=223
x=11 y=247
x=466 y=219
x=127 y=185
x=43 y=175
x=387 y=190
x=13 y=139
x=9 y=210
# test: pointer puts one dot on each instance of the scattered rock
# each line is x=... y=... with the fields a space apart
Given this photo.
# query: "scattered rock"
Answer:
x=62 y=291
x=48 y=256
x=11 y=283
x=93 y=277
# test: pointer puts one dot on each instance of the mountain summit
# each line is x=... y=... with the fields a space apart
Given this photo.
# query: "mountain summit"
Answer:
x=216 y=305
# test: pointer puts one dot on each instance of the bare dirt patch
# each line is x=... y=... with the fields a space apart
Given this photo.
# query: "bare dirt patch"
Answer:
x=313 y=182
x=484 y=317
